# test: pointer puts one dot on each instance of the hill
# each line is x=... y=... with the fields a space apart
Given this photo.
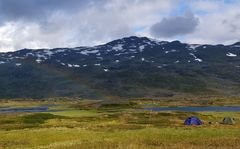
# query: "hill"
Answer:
x=126 y=68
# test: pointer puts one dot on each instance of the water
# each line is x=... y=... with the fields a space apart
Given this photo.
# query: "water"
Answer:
x=198 y=109
x=187 y=109
x=28 y=109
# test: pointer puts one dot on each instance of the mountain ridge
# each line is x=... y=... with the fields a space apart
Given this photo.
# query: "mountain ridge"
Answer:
x=128 y=37
x=130 y=67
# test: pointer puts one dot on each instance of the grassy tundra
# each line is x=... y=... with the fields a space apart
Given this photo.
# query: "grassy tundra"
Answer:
x=87 y=124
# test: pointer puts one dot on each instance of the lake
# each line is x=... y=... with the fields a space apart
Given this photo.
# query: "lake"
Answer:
x=28 y=109
x=187 y=109
x=197 y=109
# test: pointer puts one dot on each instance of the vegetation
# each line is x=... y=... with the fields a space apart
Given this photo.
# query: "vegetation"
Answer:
x=101 y=125
x=161 y=74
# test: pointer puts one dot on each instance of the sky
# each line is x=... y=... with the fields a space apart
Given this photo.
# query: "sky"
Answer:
x=71 y=23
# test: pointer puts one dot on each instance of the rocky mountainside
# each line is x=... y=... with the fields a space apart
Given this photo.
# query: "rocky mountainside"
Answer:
x=128 y=67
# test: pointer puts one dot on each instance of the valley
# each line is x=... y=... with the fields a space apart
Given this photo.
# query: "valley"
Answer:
x=78 y=123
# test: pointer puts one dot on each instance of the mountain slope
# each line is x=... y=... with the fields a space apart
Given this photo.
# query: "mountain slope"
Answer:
x=128 y=67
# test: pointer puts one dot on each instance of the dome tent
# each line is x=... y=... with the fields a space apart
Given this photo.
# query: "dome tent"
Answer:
x=193 y=120
x=228 y=121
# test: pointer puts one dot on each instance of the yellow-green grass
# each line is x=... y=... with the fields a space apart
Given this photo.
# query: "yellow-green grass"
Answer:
x=27 y=103
x=125 y=130
x=76 y=113
x=146 y=138
x=86 y=124
x=193 y=101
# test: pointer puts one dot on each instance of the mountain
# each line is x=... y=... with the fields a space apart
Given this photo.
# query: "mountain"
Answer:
x=124 y=68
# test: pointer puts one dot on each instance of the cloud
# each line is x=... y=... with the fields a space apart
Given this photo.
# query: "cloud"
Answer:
x=63 y=23
x=39 y=9
x=206 y=5
x=219 y=26
x=173 y=26
x=71 y=23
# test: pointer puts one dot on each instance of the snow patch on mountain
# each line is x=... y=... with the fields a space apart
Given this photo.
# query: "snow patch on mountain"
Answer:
x=60 y=51
x=70 y=65
x=141 y=48
x=87 y=52
x=2 y=62
x=118 y=54
x=176 y=61
x=193 y=46
x=38 y=60
x=106 y=70
x=18 y=64
x=29 y=54
x=41 y=56
x=118 y=47
x=173 y=50
x=101 y=58
x=231 y=54
x=196 y=58
x=48 y=52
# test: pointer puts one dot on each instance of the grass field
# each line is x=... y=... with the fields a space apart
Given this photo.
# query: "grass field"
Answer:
x=90 y=124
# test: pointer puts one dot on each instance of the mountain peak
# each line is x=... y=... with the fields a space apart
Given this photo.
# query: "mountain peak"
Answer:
x=176 y=42
x=124 y=67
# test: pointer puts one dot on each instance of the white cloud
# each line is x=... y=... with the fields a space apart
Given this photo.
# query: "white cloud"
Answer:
x=96 y=24
x=43 y=25
x=219 y=26
x=219 y=22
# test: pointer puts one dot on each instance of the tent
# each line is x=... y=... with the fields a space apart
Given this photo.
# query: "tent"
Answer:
x=228 y=120
x=193 y=120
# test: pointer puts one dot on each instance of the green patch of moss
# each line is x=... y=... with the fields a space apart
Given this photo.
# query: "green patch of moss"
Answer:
x=38 y=118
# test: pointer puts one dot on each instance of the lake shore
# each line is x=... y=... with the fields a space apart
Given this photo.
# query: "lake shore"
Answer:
x=95 y=124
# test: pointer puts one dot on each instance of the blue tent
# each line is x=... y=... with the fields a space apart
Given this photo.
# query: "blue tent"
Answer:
x=193 y=120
